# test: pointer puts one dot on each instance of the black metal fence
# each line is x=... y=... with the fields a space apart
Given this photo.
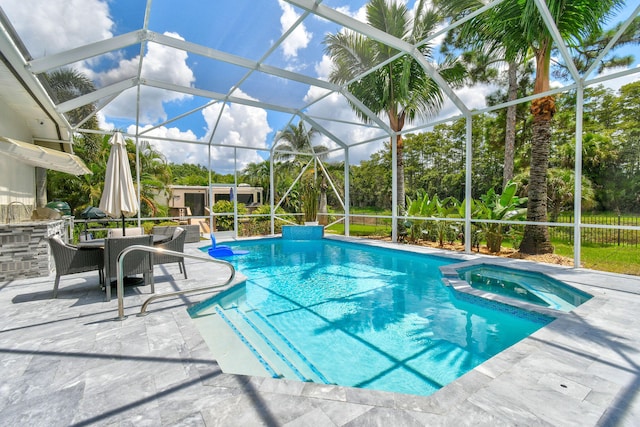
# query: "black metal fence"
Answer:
x=600 y=236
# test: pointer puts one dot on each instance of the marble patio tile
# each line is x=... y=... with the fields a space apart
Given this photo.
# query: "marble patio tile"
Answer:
x=56 y=408
x=124 y=402
x=282 y=386
x=256 y=409
x=383 y=417
x=340 y=413
x=324 y=391
x=315 y=418
x=370 y=397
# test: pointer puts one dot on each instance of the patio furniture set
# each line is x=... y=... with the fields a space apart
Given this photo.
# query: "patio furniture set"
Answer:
x=102 y=255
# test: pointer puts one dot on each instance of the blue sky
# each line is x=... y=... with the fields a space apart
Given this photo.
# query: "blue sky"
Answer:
x=245 y=28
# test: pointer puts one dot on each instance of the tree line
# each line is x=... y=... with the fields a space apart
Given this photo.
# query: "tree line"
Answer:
x=435 y=160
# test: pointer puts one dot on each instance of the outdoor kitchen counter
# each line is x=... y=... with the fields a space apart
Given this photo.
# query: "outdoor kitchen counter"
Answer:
x=24 y=251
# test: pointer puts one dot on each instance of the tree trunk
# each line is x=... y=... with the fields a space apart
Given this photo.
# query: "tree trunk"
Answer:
x=400 y=177
x=323 y=217
x=536 y=237
x=41 y=187
x=494 y=241
x=510 y=131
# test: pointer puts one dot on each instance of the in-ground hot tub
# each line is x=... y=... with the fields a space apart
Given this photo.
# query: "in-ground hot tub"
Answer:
x=532 y=290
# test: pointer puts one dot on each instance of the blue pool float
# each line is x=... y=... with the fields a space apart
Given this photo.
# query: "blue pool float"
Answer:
x=222 y=251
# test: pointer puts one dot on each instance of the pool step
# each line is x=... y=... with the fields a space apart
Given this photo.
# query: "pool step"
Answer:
x=294 y=355
x=275 y=353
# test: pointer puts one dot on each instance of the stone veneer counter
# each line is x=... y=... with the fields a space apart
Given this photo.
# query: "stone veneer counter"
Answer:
x=24 y=251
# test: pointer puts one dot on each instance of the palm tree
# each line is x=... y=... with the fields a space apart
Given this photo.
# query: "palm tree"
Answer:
x=64 y=85
x=257 y=175
x=297 y=139
x=517 y=28
x=594 y=44
x=480 y=65
x=155 y=174
x=401 y=88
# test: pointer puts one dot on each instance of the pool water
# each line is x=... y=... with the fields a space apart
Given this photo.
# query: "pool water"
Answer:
x=361 y=316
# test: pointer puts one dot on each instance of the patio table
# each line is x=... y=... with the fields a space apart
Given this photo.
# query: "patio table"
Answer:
x=99 y=243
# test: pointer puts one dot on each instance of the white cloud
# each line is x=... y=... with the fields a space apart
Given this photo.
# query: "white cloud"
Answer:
x=617 y=83
x=36 y=21
x=473 y=97
x=323 y=68
x=336 y=107
x=360 y=14
x=175 y=151
x=299 y=38
x=48 y=27
x=239 y=125
x=161 y=63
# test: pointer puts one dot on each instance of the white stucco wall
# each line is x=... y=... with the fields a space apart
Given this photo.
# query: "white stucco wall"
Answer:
x=17 y=179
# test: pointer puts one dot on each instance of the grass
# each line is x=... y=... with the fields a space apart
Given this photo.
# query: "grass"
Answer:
x=360 y=230
x=615 y=259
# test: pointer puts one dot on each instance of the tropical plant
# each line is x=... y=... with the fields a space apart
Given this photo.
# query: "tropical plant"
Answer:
x=425 y=207
x=593 y=45
x=296 y=139
x=258 y=175
x=225 y=222
x=310 y=193
x=416 y=208
x=517 y=28
x=498 y=207
x=561 y=185
x=63 y=85
x=262 y=223
x=401 y=88
x=444 y=230
x=482 y=66
x=155 y=176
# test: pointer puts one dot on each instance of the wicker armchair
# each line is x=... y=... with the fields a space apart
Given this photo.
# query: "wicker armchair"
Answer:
x=175 y=244
x=70 y=260
x=135 y=262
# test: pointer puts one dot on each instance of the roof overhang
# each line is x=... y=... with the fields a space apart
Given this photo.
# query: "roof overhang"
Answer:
x=43 y=157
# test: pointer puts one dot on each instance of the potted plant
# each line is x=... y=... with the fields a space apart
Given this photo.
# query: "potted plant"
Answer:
x=309 y=193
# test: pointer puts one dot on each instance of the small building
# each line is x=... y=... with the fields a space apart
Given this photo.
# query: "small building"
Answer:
x=196 y=197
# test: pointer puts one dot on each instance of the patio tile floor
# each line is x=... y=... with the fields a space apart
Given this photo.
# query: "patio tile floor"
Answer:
x=66 y=361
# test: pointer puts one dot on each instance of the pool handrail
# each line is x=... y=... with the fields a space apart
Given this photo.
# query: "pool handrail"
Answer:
x=143 y=312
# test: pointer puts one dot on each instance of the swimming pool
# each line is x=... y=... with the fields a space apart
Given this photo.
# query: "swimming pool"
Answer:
x=354 y=315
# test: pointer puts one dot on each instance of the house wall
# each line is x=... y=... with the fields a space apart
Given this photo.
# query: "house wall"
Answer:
x=17 y=179
x=220 y=192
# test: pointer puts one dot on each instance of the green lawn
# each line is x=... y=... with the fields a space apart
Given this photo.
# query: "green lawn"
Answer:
x=360 y=230
x=616 y=259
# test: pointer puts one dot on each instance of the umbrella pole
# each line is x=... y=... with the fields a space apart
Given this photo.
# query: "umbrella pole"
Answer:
x=123 y=227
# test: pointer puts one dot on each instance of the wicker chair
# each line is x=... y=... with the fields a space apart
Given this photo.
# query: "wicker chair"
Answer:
x=70 y=260
x=135 y=262
x=175 y=244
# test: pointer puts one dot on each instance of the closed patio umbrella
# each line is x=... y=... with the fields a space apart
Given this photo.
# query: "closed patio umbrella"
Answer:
x=119 y=195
